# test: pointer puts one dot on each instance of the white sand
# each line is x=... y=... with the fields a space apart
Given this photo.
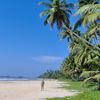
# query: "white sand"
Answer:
x=30 y=90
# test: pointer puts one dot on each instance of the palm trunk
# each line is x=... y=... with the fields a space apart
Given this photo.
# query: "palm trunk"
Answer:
x=82 y=39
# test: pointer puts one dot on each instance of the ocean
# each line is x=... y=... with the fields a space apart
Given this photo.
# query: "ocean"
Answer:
x=16 y=79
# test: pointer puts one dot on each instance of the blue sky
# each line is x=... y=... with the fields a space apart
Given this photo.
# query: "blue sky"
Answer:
x=27 y=48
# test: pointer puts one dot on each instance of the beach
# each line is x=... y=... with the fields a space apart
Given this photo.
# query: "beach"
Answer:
x=31 y=90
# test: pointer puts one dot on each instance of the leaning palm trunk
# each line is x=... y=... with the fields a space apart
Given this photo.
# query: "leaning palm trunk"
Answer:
x=90 y=14
x=82 y=39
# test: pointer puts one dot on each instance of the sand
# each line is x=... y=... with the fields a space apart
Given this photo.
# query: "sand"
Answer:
x=31 y=90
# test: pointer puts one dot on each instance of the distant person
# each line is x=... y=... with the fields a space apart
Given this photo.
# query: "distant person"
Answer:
x=42 y=85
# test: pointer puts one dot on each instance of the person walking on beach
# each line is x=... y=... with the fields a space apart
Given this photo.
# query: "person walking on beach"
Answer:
x=42 y=85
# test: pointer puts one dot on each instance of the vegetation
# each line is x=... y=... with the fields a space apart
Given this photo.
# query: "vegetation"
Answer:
x=86 y=93
x=83 y=62
x=57 y=12
x=50 y=74
x=83 y=96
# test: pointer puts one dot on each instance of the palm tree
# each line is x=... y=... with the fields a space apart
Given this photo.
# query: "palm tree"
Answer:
x=89 y=14
x=84 y=56
x=57 y=12
x=86 y=2
x=90 y=17
x=76 y=35
x=68 y=66
x=93 y=33
x=81 y=58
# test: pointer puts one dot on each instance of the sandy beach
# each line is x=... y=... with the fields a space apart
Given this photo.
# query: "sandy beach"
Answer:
x=31 y=90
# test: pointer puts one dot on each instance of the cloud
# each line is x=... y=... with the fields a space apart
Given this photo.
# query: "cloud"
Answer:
x=47 y=59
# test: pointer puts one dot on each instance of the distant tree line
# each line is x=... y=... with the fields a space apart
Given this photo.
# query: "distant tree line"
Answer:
x=50 y=74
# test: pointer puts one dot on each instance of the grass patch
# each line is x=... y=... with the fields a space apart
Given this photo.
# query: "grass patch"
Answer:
x=88 y=93
x=73 y=85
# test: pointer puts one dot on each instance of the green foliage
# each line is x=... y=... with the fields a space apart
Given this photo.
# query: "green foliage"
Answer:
x=57 y=12
x=50 y=74
x=95 y=78
x=91 y=77
x=86 y=93
x=67 y=67
x=89 y=14
x=73 y=85
x=84 y=47
x=85 y=2
x=91 y=95
x=81 y=58
x=87 y=74
x=93 y=31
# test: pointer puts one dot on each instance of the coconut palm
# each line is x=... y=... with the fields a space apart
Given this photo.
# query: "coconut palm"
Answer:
x=68 y=66
x=86 y=57
x=82 y=3
x=86 y=2
x=90 y=17
x=93 y=33
x=57 y=12
x=65 y=33
x=89 y=13
x=82 y=57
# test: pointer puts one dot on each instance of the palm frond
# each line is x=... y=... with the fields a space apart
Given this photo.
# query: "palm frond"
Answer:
x=88 y=74
x=93 y=30
x=93 y=17
x=46 y=4
x=46 y=20
x=79 y=22
x=44 y=13
x=87 y=9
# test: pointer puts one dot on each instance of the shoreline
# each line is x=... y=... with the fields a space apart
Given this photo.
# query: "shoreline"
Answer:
x=23 y=79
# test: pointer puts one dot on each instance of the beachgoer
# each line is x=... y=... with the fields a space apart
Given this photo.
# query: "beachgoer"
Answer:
x=42 y=85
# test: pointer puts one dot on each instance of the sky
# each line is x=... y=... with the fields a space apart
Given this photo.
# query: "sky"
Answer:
x=27 y=47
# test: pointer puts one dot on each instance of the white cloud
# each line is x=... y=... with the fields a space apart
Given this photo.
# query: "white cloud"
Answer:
x=47 y=59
